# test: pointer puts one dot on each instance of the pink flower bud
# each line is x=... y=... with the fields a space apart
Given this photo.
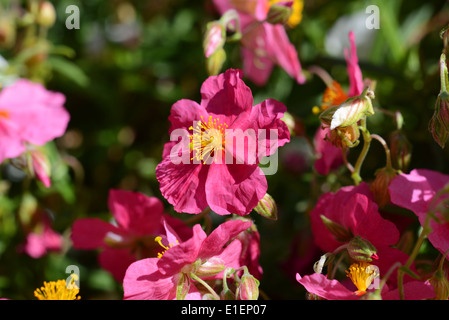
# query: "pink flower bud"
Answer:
x=210 y=268
x=267 y=207
x=214 y=38
x=41 y=167
x=361 y=249
x=248 y=288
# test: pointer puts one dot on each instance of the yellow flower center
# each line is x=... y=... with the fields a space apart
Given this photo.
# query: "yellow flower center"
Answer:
x=207 y=138
x=362 y=275
x=170 y=245
x=296 y=16
x=57 y=290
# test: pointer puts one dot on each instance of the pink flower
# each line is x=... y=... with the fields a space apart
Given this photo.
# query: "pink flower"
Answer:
x=137 y=220
x=207 y=168
x=415 y=191
x=29 y=114
x=319 y=285
x=158 y=278
x=39 y=243
x=263 y=44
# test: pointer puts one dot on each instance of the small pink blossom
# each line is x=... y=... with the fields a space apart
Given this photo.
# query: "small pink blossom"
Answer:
x=29 y=114
x=415 y=191
x=157 y=278
x=39 y=243
x=210 y=179
x=137 y=220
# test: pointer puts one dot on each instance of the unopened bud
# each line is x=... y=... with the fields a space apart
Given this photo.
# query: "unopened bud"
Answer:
x=248 y=288
x=41 y=166
x=379 y=187
x=214 y=38
x=361 y=249
x=400 y=150
x=210 y=268
x=7 y=31
x=440 y=283
x=46 y=15
x=267 y=207
x=345 y=136
x=183 y=287
x=339 y=232
x=215 y=62
x=439 y=123
x=280 y=12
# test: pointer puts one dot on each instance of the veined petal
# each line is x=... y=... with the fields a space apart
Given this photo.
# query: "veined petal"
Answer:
x=234 y=188
x=319 y=285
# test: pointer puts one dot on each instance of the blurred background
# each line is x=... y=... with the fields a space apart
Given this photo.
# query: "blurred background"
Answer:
x=129 y=61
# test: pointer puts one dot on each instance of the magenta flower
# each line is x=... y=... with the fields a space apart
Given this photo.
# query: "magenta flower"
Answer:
x=212 y=166
x=415 y=191
x=137 y=220
x=40 y=242
x=264 y=45
x=29 y=114
x=329 y=156
x=182 y=263
x=331 y=289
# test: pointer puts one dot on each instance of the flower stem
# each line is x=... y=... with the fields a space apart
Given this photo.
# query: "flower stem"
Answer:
x=366 y=145
x=387 y=150
x=208 y=287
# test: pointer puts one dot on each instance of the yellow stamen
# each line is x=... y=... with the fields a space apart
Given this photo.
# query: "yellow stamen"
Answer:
x=57 y=290
x=170 y=245
x=296 y=16
x=362 y=275
x=207 y=138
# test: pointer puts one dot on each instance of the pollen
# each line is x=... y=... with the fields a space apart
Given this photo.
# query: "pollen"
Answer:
x=333 y=96
x=4 y=114
x=207 y=138
x=362 y=275
x=170 y=245
x=57 y=290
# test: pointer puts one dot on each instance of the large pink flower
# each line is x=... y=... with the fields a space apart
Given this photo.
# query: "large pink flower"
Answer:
x=264 y=45
x=216 y=162
x=415 y=191
x=137 y=221
x=158 y=278
x=29 y=114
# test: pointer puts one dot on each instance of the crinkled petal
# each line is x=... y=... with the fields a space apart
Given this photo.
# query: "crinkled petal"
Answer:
x=135 y=212
x=183 y=114
x=183 y=185
x=234 y=188
x=226 y=96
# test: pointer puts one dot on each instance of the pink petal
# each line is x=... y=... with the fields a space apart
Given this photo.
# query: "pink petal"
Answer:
x=11 y=144
x=218 y=238
x=182 y=254
x=116 y=261
x=354 y=72
x=319 y=285
x=135 y=212
x=143 y=281
x=226 y=96
x=413 y=290
x=329 y=156
x=234 y=188
x=183 y=185
x=184 y=112
x=89 y=233
x=257 y=67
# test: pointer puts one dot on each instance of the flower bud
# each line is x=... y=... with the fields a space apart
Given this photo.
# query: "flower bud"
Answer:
x=214 y=39
x=280 y=12
x=340 y=233
x=183 y=287
x=7 y=31
x=267 y=207
x=440 y=283
x=215 y=62
x=46 y=15
x=379 y=187
x=41 y=166
x=439 y=123
x=248 y=288
x=345 y=137
x=400 y=150
x=210 y=268
x=361 y=249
